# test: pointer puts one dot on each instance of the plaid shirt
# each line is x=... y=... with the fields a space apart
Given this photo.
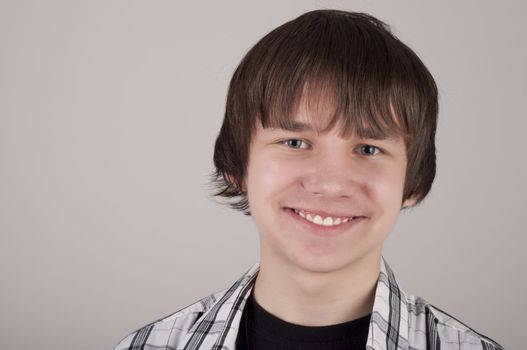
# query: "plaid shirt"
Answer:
x=398 y=321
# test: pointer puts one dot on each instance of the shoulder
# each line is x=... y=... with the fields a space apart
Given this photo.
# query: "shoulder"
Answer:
x=170 y=329
x=434 y=328
x=203 y=323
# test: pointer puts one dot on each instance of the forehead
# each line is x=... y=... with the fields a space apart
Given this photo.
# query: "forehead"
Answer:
x=321 y=113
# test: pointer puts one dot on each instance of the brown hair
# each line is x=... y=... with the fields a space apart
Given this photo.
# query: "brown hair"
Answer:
x=378 y=85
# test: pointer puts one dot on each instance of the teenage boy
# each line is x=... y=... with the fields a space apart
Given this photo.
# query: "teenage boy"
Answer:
x=328 y=133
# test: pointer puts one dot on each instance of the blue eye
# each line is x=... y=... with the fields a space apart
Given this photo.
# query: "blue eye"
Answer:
x=369 y=150
x=296 y=143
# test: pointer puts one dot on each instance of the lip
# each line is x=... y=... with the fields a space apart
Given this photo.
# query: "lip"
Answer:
x=323 y=231
x=323 y=213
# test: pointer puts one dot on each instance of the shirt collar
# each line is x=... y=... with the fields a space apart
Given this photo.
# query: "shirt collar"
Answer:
x=389 y=319
x=218 y=327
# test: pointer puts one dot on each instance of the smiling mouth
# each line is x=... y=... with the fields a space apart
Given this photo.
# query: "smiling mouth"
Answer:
x=322 y=220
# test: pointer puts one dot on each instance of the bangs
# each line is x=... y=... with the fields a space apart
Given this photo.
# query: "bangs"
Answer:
x=347 y=74
x=325 y=108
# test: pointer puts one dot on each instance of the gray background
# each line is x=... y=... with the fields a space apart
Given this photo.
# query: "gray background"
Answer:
x=108 y=115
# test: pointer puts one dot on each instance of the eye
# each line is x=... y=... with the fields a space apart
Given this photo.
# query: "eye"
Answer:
x=369 y=150
x=296 y=143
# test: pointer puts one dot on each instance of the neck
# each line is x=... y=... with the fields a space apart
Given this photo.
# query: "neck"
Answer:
x=317 y=298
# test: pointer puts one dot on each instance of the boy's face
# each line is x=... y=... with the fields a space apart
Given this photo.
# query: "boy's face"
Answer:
x=358 y=182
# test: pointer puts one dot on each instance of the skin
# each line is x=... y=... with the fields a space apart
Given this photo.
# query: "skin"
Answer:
x=315 y=279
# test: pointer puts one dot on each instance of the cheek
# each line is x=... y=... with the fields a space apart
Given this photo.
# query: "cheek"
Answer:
x=267 y=176
x=387 y=187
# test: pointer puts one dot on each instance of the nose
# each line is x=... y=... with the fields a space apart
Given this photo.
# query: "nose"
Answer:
x=332 y=175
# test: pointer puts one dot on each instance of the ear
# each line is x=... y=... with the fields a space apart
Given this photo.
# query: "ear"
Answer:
x=409 y=202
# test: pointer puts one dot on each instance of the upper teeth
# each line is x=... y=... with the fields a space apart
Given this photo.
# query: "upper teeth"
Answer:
x=317 y=219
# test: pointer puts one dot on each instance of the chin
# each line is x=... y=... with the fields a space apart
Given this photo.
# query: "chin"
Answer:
x=322 y=264
x=318 y=260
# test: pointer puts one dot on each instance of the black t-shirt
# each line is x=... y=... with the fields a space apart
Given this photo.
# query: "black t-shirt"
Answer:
x=260 y=330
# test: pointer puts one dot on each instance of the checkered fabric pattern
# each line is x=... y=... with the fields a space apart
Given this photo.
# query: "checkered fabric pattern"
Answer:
x=399 y=321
